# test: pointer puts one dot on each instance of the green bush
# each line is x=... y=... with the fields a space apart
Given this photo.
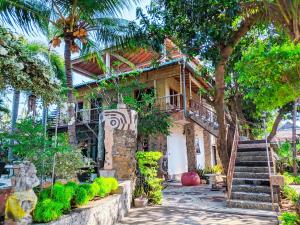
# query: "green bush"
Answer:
x=91 y=190
x=288 y=218
x=297 y=180
x=290 y=193
x=47 y=210
x=104 y=186
x=44 y=194
x=288 y=178
x=81 y=197
x=114 y=185
x=148 y=166
x=63 y=194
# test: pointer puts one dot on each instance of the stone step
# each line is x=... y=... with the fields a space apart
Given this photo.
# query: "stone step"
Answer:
x=251 y=175
x=251 y=188
x=251 y=158
x=248 y=196
x=253 y=163
x=252 y=205
x=255 y=153
x=251 y=169
x=251 y=181
x=251 y=149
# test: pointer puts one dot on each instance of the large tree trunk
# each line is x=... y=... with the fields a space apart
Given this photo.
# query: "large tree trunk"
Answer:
x=71 y=103
x=278 y=118
x=219 y=103
x=14 y=117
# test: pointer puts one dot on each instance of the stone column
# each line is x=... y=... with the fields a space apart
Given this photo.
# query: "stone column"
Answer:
x=120 y=142
x=207 y=148
x=190 y=146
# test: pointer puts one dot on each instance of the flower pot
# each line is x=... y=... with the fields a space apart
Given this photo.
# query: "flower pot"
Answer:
x=190 y=179
x=140 y=202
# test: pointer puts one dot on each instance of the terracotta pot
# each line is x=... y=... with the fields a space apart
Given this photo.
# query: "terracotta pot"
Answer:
x=190 y=179
x=140 y=202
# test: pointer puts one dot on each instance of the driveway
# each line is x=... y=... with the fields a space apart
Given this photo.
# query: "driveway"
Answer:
x=197 y=205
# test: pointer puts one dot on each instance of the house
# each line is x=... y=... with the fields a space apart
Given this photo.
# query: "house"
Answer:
x=192 y=140
x=285 y=131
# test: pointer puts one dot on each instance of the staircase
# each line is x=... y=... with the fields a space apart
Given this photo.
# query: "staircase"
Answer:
x=250 y=183
x=204 y=117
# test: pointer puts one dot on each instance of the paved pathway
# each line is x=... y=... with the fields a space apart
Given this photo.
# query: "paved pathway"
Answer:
x=197 y=205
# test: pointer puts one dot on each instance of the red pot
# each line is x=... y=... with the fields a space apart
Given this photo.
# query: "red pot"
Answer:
x=190 y=179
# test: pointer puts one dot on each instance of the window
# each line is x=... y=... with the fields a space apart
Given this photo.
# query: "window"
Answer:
x=173 y=97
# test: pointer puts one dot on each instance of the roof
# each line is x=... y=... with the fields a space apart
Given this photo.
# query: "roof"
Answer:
x=125 y=61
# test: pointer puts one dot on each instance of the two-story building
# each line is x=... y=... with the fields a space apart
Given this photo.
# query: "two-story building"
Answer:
x=176 y=84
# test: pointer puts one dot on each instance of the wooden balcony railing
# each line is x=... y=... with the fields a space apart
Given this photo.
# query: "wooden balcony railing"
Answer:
x=83 y=116
x=170 y=103
x=203 y=113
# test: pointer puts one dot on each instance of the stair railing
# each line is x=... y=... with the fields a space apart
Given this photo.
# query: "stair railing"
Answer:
x=269 y=163
x=231 y=165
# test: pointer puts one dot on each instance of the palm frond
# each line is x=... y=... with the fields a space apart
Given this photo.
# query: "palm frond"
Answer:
x=29 y=15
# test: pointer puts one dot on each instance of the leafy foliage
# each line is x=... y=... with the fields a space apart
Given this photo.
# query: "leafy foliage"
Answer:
x=290 y=193
x=32 y=144
x=58 y=199
x=289 y=218
x=272 y=72
x=22 y=71
x=148 y=165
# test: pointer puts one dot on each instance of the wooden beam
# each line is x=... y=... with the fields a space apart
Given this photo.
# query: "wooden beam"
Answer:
x=83 y=72
x=190 y=84
x=124 y=60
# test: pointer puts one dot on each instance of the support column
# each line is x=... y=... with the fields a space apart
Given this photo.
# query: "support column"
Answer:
x=190 y=146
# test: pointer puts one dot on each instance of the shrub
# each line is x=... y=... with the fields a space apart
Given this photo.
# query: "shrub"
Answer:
x=81 y=197
x=47 y=210
x=63 y=194
x=91 y=190
x=290 y=193
x=148 y=165
x=114 y=185
x=44 y=194
x=288 y=218
x=104 y=186
x=288 y=178
x=297 y=180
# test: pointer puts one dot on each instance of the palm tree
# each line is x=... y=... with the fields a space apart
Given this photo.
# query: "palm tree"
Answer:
x=81 y=24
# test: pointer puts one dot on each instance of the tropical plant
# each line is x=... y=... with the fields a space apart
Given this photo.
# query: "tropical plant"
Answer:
x=289 y=218
x=83 y=25
x=31 y=143
x=148 y=167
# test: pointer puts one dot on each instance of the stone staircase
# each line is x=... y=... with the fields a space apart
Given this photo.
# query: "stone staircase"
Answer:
x=251 y=184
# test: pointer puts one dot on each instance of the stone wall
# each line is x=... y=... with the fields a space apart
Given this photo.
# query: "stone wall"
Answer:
x=190 y=146
x=107 y=211
x=207 y=148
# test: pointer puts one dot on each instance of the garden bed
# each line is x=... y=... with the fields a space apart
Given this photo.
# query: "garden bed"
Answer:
x=106 y=211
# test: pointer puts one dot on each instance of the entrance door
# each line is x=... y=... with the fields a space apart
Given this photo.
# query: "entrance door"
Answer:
x=177 y=153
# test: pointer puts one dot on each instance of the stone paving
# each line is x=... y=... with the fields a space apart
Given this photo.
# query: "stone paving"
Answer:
x=197 y=205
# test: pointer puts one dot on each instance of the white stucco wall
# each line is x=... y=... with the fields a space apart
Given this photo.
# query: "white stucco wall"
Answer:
x=199 y=144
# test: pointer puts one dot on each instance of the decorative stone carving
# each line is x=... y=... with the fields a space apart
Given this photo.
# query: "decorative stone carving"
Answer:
x=23 y=200
x=120 y=141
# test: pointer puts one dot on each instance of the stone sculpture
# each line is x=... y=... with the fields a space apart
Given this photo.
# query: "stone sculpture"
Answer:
x=23 y=200
x=120 y=142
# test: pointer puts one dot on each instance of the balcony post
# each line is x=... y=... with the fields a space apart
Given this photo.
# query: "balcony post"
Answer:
x=182 y=71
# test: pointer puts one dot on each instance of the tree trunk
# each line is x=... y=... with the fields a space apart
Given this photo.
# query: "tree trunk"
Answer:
x=295 y=164
x=31 y=106
x=71 y=104
x=219 y=106
x=278 y=119
x=14 y=117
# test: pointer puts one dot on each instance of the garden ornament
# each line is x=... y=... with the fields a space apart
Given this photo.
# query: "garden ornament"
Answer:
x=23 y=200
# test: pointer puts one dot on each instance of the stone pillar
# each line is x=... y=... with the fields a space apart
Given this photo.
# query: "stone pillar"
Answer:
x=120 y=142
x=207 y=148
x=190 y=146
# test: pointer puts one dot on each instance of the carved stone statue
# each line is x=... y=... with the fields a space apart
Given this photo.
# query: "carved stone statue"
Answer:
x=23 y=200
